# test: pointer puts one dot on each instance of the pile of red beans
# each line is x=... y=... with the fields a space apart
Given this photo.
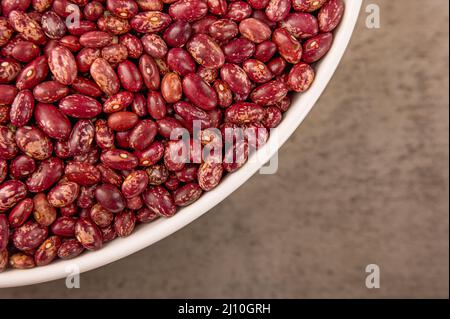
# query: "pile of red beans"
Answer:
x=90 y=92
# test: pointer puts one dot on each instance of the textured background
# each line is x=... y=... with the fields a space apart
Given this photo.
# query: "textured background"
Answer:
x=363 y=180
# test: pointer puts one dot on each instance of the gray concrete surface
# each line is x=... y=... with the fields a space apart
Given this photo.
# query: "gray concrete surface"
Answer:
x=363 y=180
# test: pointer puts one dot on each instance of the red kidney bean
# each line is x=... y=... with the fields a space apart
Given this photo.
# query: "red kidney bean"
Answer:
x=133 y=45
x=118 y=102
x=4 y=255
x=52 y=121
x=135 y=203
x=208 y=75
x=224 y=94
x=22 y=166
x=134 y=184
x=105 y=77
x=307 y=5
x=95 y=39
x=124 y=223
x=151 y=5
x=243 y=112
x=3 y=170
x=269 y=93
x=254 y=30
x=188 y=10
x=104 y=135
x=277 y=65
x=158 y=200
x=223 y=30
x=149 y=71
x=190 y=113
x=52 y=25
x=115 y=53
x=63 y=194
x=288 y=47
x=238 y=10
x=236 y=78
x=100 y=216
x=150 y=21
x=172 y=182
x=238 y=50
x=300 y=77
x=9 y=69
x=163 y=68
x=209 y=175
x=174 y=158
x=272 y=117
x=122 y=121
x=93 y=10
x=47 y=251
x=206 y=51
x=145 y=215
x=19 y=214
x=187 y=174
x=44 y=213
x=156 y=105
x=69 y=249
x=139 y=105
x=5 y=31
x=187 y=194
x=29 y=236
x=217 y=7
x=129 y=76
x=166 y=125
x=22 y=108
x=8 y=146
x=81 y=137
x=180 y=61
x=199 y=92
x=63 y=65
x=50 y=91
x=82 y=173
x=21 y=261
x=316 y=47
x=113 y=25
x=171 y=87
x=119 y=159
x=122 y=8
x=108 y=233
x=110 y=198
x=4 y=232
x=151 y=155
x=143 y=134
x=25 y=51
x=32 y=74
x=26 y=27
x=154 y=45
x=64 y=226
x=7 y=94
x=177 y=33
x=80 y=106
x=86 y=199
x=123 y=139
x=48 y=172
x=34 y=142
x=71 y=42
x=257 y=71
x=301 y=25
x=88 y=234
x=157 y=174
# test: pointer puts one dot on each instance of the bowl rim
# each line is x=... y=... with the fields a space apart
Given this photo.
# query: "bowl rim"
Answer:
x=148 y=234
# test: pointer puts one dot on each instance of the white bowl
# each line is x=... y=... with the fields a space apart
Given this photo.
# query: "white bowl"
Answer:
x=147 y=234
